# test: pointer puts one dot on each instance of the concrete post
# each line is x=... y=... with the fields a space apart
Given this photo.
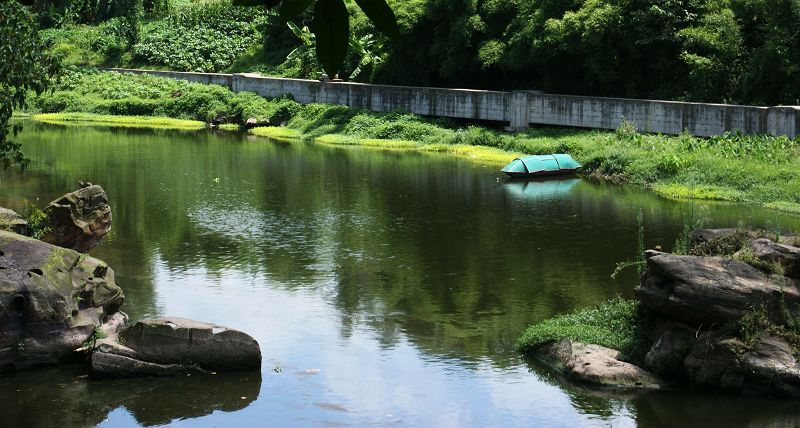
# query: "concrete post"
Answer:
x=518 y=111
x=783 y=120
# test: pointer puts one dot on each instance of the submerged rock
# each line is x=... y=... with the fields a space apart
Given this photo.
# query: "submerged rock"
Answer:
x=78 y=220
x=711 y=289
x=596 y=365
x=171 y=346
x=51 y=301
x=12 y=222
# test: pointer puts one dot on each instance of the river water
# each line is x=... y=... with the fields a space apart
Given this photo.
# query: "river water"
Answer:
x=385 y=288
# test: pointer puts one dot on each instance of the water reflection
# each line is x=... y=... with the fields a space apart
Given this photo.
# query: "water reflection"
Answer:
x=65 y=397
x=550 y=189
x=390 y=285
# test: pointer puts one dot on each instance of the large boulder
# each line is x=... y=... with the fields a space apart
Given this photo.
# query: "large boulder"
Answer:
x=78 y=220
x=51 y=301
x=595 y=364
x=767 y=368
x=12 y=222
x=712 y=289
x=171 y=346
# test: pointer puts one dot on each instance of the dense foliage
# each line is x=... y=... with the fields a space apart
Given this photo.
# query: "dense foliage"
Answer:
x=706 y=50
x=205 y=37
x=142 y=95
x=698 y=50
x=103 y=44
x=24 y=67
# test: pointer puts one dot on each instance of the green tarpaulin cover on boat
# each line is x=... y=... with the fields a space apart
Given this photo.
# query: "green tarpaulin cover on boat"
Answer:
x=536 y=163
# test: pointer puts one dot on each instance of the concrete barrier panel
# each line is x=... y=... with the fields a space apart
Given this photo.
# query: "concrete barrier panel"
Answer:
x=520 y=109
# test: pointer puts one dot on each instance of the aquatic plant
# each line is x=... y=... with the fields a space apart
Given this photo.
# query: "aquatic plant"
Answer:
x=639 y=261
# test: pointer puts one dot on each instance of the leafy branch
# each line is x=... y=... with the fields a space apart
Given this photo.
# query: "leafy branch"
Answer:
x=331 y=25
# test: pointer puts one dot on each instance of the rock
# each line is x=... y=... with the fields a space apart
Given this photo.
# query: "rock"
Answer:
x=708 y=235
x=51 y=301
x=788 y=257
x=12 y=222
x=713 y=362
x=170 y=346
x=254 y=122
x=711 y=289
x=596 y=365
x=672 y=340
x=769 y=368
x=78 y=220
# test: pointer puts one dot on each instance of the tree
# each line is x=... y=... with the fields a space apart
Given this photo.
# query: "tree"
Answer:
x=24 y=66
x=332 y=24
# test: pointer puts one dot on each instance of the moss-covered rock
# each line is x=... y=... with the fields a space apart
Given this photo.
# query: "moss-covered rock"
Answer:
x=51 y=300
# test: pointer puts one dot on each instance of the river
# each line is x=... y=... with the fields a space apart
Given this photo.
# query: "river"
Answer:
x=385 y=287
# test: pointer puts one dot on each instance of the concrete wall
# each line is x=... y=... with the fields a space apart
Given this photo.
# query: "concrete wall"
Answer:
x=519 y=109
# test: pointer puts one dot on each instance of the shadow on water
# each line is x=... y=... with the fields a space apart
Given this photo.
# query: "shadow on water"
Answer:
x=64 y=396
x=679 y=407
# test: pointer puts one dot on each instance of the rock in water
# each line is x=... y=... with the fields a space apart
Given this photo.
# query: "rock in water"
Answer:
x=711 y=289
x=595 y=364
x=12 y=222
x=170 y=346
x=78 y=220
x=767 y=368
x=51 y=301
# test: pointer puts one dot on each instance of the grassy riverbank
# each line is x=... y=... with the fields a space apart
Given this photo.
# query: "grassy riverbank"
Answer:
x=124 y=121
x=756 y=169
x=617 y=324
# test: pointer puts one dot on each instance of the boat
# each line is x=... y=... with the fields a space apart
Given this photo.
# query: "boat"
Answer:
x=541 y=165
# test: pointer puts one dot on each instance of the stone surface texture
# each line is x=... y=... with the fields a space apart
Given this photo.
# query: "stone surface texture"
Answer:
x=170 y=346
x=79 y=219
x=596 y=365
x=51 y=300
x=711 y=289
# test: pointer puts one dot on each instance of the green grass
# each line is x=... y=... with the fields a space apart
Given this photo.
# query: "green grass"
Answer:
x=276 y=132
x=123 y=121
x=618 y=324
x=706 y=192
x=229 y=127
x=480 y=154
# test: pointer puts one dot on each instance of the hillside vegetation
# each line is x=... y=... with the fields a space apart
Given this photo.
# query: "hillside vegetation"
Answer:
x=698 y=50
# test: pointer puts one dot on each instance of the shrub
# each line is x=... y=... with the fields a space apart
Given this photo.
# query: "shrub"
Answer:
x=201 y=102
x=55 y=102
x=132 y=106
x=206 y=37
